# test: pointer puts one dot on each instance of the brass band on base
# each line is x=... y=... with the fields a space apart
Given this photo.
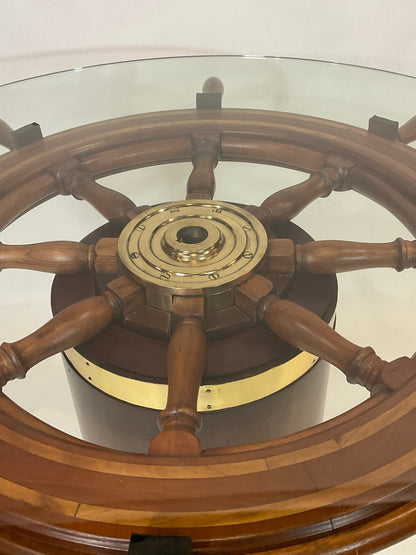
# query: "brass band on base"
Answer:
x=211 y=397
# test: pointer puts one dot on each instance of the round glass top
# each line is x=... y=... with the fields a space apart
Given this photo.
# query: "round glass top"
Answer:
x=334 y=91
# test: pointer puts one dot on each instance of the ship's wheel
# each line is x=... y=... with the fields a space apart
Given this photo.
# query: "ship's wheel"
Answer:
x=198 y=269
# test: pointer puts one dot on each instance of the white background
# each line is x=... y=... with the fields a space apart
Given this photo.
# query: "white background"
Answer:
x=38 y=37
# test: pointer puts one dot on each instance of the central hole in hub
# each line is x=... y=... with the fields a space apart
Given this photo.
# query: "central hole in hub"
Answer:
x=192 y=234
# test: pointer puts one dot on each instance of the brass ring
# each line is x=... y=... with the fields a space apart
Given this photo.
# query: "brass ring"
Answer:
x=212 y=397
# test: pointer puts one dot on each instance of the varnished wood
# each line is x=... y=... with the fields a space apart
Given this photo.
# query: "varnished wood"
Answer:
x=150 y=322
x=399 y=203
x=61 y=257
x=139 y=154
x=323 y=257
x=251 y=293
x=242 y=148
x=186 y=364
x=307 y=332
x=16 y=202
x=361 y=365
x=228 y=355
x=407 y=131
x=130 y=295
x=344 y=256
x=6 y=135
x=281 y=256
x=113 y=205
x=72 y=326
x=287 y=203
x=201 y=182
x=59 y=465
x=106 y=257
x=367 y=538
x=188 y=306
x=110 y=461
x=66 y=257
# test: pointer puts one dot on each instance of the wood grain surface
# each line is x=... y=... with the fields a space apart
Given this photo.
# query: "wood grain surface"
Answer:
x=332 y=488
x=180 y=421
x=326 y=257
x=74 y=325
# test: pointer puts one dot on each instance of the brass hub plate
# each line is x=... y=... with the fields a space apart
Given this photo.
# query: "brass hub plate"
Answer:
x=189 y=246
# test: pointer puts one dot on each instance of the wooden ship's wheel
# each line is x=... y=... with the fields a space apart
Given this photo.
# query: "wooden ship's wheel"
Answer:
x=191 y=273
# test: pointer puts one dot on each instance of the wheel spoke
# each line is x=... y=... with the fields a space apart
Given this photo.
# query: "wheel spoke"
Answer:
x=289 y=202
x=180 y=420
x=74 y=325
x=407 y=131
x=58 y=257
x=308 y=332
x=6 y=135
x=17 y=138
x=61 y=257
x=114 y=206
x=109 y=203
x=201 y=182
x=327 y=257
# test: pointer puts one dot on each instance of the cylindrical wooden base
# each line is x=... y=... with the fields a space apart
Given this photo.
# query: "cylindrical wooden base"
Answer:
x=110 y=422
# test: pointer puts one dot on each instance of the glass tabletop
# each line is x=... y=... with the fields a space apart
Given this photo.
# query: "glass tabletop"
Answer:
x=375 y=307
x=340 y=92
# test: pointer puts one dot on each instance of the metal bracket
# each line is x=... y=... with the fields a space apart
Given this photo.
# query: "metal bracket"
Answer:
x=208 y=101
x=18 y=138
x=211 y=96
x=383 y=127
x=27 y=134
x=159 y=545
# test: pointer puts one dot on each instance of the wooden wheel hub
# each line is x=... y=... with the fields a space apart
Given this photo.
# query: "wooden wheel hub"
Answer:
x=193 y=246
x=240 y=368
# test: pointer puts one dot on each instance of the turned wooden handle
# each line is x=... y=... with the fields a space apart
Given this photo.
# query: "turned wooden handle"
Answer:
x=308 y=332
x=213 y=85
x=343 y=256
x=407 y=132
x=62 y=257
x=186 y=364
x=59 y=257
x=323 y=257
x=185 y=373
x=111 y=204
x=201 y=182
x=289 y=202
x=73 y=326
